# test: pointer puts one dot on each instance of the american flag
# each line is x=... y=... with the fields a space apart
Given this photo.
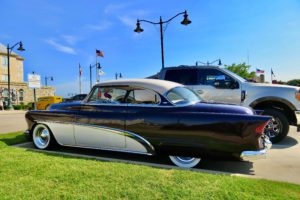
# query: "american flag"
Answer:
x=99 y=53
x=259 y=71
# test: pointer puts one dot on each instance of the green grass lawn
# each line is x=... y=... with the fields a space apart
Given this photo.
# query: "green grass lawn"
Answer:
x=26 y=174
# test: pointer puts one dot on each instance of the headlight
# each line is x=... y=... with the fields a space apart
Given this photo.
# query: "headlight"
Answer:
x=298 y=95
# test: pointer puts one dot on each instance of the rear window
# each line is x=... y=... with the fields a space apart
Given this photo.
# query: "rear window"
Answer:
x=182 y=76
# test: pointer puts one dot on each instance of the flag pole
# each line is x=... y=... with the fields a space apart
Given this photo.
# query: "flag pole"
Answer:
x=80 y=71
x=271 y=76
x=97 y=75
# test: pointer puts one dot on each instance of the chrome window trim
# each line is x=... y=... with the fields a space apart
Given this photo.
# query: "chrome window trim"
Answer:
x=159 y=105
x=89 y=95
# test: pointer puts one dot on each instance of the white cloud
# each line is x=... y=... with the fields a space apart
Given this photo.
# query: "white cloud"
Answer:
x=104 y=25
x=126 y=15
x=115 y=8
x=60 y=47
x=70 y=39
x=128 y=21
x=5 y=36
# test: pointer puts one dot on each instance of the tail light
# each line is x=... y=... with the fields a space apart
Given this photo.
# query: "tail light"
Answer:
x=260 y=130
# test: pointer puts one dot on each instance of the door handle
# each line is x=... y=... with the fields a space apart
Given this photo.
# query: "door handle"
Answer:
x=200 y=91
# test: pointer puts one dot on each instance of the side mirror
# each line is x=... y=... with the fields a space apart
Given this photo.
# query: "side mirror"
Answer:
x=234 y=85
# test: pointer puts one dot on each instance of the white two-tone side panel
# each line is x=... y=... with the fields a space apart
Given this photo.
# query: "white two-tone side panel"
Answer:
x=63 y=133
x=133 y=145
x=98 y=137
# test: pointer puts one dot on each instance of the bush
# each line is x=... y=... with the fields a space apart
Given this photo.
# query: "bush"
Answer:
x=18 y=107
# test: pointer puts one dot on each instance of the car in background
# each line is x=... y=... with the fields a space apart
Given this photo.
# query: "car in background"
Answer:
x=44 y=103
x=78 y=97
x=147 y=116
x=213 y=83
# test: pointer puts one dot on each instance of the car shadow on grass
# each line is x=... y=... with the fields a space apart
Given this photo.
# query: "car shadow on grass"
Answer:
x=219 y=166
x=14 y=140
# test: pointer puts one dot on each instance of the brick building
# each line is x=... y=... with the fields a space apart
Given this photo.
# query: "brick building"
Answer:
x=20 y=92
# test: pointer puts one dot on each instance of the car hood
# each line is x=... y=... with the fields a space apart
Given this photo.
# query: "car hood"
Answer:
x=64 y=105
x=267 y=86
x=210 y=107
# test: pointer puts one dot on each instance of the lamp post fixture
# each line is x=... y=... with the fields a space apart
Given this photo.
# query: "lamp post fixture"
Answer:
x=9 y=50
x=185 y=21
x=209 y=63
x=97 y=65
x=46 y=79
x=118 y=75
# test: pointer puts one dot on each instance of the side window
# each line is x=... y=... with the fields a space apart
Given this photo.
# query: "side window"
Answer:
x=143 y=96
x=183 y=76
x=4 y=62
x=107 y=95
x=209 y=76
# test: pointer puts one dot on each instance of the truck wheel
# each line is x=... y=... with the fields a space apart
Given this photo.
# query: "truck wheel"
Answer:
x=278 y=128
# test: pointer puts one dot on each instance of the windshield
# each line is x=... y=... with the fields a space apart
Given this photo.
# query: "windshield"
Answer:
x=235 y=75
x=182 y=95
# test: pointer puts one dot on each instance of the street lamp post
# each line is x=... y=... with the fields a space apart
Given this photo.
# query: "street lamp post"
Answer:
x=91 y=66
x=185 y=21
x=209 y=63
x=9 y=50
x=46 y=79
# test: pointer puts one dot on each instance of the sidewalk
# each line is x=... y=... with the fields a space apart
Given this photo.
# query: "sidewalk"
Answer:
x=5 y=112
x=12 y=120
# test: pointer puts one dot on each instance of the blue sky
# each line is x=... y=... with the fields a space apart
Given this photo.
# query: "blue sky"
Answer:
x=58 y=35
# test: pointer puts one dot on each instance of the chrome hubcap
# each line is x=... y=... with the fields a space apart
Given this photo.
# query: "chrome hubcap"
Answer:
x=185 y=159
x=273 y=128
x=41 y=137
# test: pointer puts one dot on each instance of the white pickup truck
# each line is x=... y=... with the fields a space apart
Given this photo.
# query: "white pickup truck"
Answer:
x=221 y=85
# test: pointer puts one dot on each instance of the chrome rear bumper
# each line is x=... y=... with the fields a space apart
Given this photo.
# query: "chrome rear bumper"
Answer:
x=251 y=155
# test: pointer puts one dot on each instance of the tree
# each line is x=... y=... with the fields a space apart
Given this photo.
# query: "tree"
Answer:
x=241 y=70
x=294 y=82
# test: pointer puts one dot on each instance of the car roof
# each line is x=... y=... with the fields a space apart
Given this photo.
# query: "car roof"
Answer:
x=159 y=86
x=190 y=67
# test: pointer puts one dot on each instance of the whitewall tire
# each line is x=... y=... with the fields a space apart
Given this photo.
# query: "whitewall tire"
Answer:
x=42 y=137
x=185 y=162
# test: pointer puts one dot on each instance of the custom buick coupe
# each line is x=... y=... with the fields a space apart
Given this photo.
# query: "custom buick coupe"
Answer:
x=147 y=116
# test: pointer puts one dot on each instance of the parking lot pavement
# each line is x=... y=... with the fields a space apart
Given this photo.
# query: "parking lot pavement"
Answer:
x=11 y=121
x=281 y=164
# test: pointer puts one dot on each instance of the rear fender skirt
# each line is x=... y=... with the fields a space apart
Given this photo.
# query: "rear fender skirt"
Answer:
x=64 y=135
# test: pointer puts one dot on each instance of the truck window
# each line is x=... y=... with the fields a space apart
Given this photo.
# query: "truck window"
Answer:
x=209 y=76
x=183 y=76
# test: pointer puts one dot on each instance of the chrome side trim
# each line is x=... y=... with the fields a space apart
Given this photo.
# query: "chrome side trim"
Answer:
x=110 y=149
x=146 y=144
